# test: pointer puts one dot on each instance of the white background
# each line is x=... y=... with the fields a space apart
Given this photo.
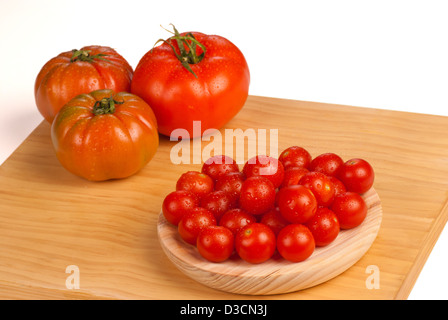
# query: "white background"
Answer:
x=379 y=54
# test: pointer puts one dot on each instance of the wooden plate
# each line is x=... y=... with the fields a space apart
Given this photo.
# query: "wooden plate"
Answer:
x=276 y=275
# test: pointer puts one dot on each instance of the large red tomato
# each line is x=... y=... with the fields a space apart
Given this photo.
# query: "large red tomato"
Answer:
x=199 y=78
x=75 y=72
x=105 y=135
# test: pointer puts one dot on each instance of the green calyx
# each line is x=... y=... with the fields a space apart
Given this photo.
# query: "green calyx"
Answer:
x=84 y=55
x=105 y=106
x=187 y=44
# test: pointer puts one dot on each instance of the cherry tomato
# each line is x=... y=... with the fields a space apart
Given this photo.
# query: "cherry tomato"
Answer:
x=324 y=226
x=265 y=166
x=327 y=163
x=209 y=83
x=321 y=187
x=196 y=182
x=295 y=157
x=231 y=183
x=297 y=203
x=218 y=166
x=215 y=243
x=105 y=135
x=295 y=242
x=255 y=243
x=357 y=175
x=78 y=72
x=350 y=209
x=339 y=187
x=218 y=202
x=177 y=203
x=193 y=222
x=257 y=195
x=274 y=220
x=293 y=176
x=235 y=219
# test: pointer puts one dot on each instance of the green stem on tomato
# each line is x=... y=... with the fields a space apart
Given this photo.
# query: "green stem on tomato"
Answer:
x=84 y=55
x=186 y=57
x=105 y=106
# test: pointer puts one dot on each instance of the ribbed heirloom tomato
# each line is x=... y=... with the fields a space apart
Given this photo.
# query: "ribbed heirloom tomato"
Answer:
x=193 y=77
x=79 y=71
x=105 y=135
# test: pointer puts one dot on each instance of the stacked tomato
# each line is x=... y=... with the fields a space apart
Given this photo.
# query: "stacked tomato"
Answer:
x=291 y=205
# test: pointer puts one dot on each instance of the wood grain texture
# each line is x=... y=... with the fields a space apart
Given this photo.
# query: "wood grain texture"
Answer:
x=276 y=275
x=50 y=219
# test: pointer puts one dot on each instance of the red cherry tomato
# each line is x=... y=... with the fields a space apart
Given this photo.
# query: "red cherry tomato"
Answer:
x=265 y=166
x=215 y=243
x=255 y=243
x=235 y=219
x=357 y=175
x=297 y=203
x=196 y=182
x=350 y=209
x=293 y=176
x=257 y=195
x=339 y=187
x=231 y=183
x=324 y=226
x=321 y=187
x=295 y=157
x=218 y=202
x=274 y=220
x=327 y=163
x=217 y=166
x=193 y=222
x=177 y=204
x=295 y=242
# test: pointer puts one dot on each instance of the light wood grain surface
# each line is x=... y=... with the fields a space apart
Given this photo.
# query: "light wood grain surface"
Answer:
x=50 y=219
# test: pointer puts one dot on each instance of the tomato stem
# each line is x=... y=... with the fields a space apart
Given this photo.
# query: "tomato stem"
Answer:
x=105 y=106
x=84 y=55
x=186 y=57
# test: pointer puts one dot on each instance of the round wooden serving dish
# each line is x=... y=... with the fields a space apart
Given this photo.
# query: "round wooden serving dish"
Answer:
x=276 y=275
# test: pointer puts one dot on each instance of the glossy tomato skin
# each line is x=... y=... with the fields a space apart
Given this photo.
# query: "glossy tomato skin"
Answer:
x=274 y=220
x=324 y=226
x=100 y=147
x=231 y=183
x=218 y=166
x=255 y=243
x=295 y=243
x=295 y=156
x=60 y=79
x=178 y=98
x=215 y=243
x=327 y=163
x=293 y=176
x=297 y=203
x=194 y=181
x=218 y=202
x=350 y=209
x=357 y=175
x=257 y=195
x=321 y=187
x=235 y=219
x=177 y=203
x=339 y=187
x=265 y=166
x=193 y=222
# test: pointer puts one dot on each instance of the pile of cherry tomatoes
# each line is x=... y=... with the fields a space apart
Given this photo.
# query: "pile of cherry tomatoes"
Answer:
x=291 y=205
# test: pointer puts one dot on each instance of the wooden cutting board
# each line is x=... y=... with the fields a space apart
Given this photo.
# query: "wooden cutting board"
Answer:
x=51 y=220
